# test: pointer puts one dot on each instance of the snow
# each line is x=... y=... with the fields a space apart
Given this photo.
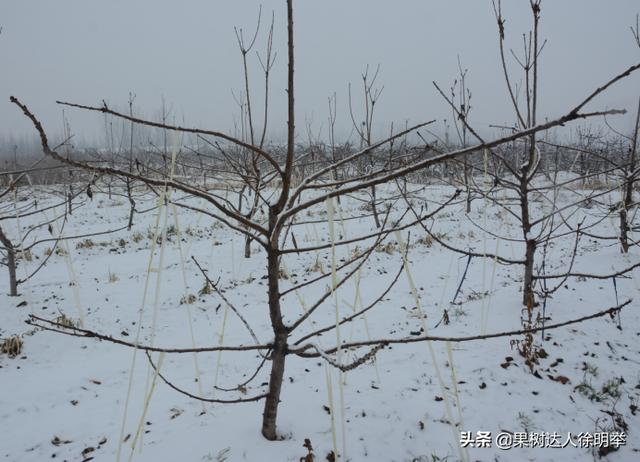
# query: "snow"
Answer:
x=74 y=389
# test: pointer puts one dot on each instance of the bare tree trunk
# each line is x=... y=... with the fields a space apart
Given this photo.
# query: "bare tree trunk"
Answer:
x=374 y=207
x=132 y=202
x=528 y=298
x=527 y=286
x=279 y=352
x=280 y=331
x=270 y=413
x=11 y=263
x=69 y=200
x=467 y=186
x=624 y=227
x=529 y=258
x=627 y=202
x=247 y=247
x=132 y=208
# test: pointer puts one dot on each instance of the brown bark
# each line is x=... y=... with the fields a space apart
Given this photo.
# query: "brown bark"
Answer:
x=624 y=228
x=132 y=210
x=280 y=331
x=247 y=247
x=374 y=207
x=11 y=263
x=272 y=401
x=628 y=193
x=279 y=351
x=528 y=298
x=467 y=185
x=529 y=257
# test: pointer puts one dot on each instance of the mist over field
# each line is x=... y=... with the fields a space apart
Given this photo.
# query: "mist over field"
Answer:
x=186 y=53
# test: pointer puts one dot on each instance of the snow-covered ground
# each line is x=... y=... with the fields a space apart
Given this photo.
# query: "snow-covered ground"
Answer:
x=64 y=397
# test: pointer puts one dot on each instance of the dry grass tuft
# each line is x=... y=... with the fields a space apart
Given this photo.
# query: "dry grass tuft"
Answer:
x=12 y=346
x=64 y=321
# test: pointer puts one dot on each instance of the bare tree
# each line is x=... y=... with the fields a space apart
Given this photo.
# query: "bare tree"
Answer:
x=21 y=244
x=630 y=175
x=461 y=93
x=371 y=95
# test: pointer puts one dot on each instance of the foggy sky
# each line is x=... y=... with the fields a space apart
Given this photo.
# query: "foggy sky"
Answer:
x=186 y=52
